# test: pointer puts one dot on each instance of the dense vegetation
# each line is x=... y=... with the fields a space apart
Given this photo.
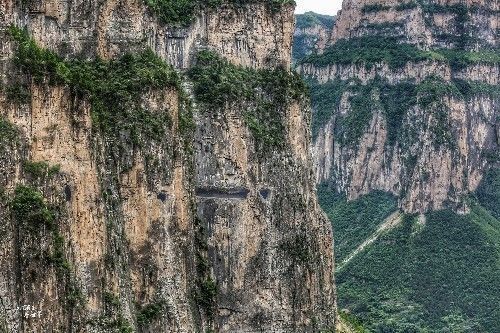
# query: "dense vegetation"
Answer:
x=114 y=88
x=441 y=276
x=370 y=50
x=354 y=221
x=353 y=324
x=182 y=12
x=488 y=193
x=459 y=59
x=267 y=93
x=395 y=100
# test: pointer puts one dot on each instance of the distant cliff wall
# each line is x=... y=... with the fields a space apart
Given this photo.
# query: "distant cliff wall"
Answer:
x=406 y=100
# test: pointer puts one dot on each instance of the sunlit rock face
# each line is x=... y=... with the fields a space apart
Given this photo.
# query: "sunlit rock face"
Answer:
x=153 y=211
x=405 y=100
x=428 y=23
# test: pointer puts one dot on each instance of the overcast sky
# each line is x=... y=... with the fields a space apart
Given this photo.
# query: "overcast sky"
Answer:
x=329 y=7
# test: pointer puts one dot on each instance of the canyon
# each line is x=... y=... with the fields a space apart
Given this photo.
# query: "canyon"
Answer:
x=405 y=125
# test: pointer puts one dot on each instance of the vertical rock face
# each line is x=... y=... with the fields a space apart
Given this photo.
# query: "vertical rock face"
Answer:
x=428 y=23
x=128 y=204
x=406 y=100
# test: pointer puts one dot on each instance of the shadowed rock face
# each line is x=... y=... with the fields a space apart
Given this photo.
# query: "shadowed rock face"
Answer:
x=381 y=122
x=189 y=230
x=232 y=193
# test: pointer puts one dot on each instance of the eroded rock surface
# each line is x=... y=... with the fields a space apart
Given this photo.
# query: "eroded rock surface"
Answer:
x=409 y=102
x=173 y=223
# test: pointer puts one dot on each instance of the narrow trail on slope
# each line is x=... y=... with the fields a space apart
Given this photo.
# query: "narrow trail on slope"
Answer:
x=389 y=223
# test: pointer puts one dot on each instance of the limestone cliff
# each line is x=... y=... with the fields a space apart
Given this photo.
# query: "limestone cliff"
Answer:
x=406 y=100
x=427 y=23
x=135 y=197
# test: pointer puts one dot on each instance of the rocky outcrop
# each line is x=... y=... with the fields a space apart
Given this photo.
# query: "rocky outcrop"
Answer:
x=427 y=23
x=129 y=204
x=408 y=109
x=312 y=32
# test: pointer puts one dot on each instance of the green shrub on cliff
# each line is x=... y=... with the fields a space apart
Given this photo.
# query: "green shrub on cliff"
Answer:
x=40 y=170
x=374 y=8
x=396 y=101
x=113 y=87
x=371 y=50
x=433 y=90
x=18 y=93
x=150 y=313
x=325 y=99
x=352 y=126
x=265 y=93
x=8 y=134
x=30 y=208
x=406 y=6
x=177 y=12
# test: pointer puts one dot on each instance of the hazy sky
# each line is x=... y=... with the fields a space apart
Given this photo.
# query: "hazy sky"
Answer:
x=329 y=7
